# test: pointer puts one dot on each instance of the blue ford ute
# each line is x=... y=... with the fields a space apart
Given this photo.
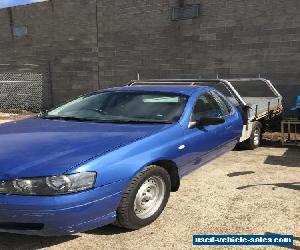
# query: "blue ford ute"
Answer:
x=112 y=156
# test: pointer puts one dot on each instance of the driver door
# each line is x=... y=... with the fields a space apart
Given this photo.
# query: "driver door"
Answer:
x=203 y=143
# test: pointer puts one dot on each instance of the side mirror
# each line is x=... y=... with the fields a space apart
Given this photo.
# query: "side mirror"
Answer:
x=207 y=121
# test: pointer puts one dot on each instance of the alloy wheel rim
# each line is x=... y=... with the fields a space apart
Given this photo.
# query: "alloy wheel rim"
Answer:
x=149 y=197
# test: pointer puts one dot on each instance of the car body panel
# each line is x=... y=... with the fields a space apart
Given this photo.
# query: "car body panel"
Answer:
x=62 y=215
x=51 y=147
x=127 y=161
x=179 y=89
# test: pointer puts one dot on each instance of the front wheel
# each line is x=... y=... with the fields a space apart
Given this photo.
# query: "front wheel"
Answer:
x=145 y=198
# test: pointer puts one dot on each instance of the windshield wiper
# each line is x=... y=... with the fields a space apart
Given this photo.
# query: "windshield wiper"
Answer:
x=67 y=118
x=144 y=122
x=72 y=118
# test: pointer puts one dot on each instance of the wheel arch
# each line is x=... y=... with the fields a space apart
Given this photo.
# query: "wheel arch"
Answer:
x=172 y=169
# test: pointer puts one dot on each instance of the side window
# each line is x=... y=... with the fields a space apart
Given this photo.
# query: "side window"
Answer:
x=225 y=106
x=206 y=107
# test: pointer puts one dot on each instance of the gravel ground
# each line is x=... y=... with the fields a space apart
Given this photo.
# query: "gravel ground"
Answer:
x=242 y=192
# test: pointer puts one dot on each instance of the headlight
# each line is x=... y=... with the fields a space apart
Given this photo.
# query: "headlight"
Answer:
x=53 y=185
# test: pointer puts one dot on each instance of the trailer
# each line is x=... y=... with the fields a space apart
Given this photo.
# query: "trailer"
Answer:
x=257 y=99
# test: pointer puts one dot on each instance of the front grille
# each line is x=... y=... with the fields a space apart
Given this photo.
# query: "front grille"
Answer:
x=21 y=226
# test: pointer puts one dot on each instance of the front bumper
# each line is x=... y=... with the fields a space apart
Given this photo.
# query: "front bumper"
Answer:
x=60 y=215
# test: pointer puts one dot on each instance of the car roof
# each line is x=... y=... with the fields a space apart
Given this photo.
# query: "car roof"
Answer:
x=179 y=89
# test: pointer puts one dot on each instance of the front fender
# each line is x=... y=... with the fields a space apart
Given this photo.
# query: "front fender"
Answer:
x=126 y=162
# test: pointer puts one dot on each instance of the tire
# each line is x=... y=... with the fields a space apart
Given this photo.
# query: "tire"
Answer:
x=255 y=139
x=149 y=188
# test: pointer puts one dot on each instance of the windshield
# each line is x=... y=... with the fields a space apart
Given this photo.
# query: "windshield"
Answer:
x=123 y=107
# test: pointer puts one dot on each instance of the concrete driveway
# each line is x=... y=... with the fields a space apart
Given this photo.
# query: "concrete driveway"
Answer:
x=243 y=192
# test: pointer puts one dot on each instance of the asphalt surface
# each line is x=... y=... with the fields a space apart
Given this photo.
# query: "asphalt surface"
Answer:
x=242 y=192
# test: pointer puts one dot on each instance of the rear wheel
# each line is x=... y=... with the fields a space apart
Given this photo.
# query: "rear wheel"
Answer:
x=145 y=198
x=255 y=138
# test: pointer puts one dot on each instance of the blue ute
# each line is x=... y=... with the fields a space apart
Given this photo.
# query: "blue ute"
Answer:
x=112 y=156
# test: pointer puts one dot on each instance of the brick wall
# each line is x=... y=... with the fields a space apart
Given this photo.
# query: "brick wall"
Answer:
x=62 y=37
x=231 y=38
x=86 y=40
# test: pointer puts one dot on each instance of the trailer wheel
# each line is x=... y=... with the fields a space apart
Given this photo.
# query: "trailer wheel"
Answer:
x=255 y=139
